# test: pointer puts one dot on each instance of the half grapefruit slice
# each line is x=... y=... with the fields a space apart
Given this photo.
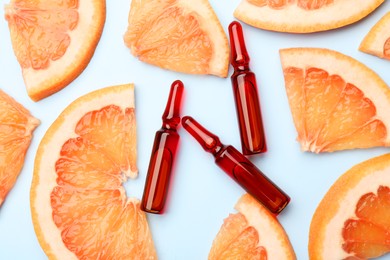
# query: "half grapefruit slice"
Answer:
x=79 y=205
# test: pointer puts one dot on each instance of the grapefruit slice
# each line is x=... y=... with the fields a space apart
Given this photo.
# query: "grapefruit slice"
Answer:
x=178 y=35
x=79 y=205
x=377 y=41
x=352 y=220
x=16 y=129
x=253 y=233
x=53 y=40
x=303 y=16
x=336 y=102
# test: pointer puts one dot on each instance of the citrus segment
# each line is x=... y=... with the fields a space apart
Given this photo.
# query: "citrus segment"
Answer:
x=48 y=24
x=303 y=16
x=377 y=41
x=53 y=40
x=79 y=206
x=336 y=102
x=237 y=240
x=368 y=235
x=178 y=35
x=95 y=126
x=16 y=129
x=352 y=220
x=253 y=233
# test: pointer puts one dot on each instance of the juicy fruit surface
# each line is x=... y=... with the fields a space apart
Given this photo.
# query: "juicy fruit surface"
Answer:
x=39 y=30
x=304 y=4
x=368 y=234
x=88 y=214
x=165 y=34
x=253 y=233
x=352 y=220
x=331 y=114
x=53 y=40
x=336 y=102
x=90 y=172
x=173 y=36
x=236 y=239
x=16 y=129
x=88 y=161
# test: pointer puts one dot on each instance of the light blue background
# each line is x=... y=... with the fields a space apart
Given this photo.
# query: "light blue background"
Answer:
x=201 y=195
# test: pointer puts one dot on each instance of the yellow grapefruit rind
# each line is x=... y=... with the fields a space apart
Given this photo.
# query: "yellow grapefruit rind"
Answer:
x=351 y=70
x=84 y=39
x=272 y=236
x=219 y=63
x=294 y=19
x=339 y=204
x=44 y=178
x=374 y=41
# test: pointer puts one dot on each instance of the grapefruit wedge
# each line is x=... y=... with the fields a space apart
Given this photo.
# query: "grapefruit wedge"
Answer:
x=377 y=41
x=53 y=40
x=79 y=206
x=336 y=102
x=253 y=233
x=179 y=35
x=303 y=16
x=352 y=220
x=16 y=129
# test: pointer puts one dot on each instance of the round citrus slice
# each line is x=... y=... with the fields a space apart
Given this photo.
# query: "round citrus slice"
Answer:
x=178 y=35
x=79 y=206
x=336 y=102
x=377 y=41
x=16 y=129
x=352 y=220
x=303 y=16
x=53 y=40
x=253 y=233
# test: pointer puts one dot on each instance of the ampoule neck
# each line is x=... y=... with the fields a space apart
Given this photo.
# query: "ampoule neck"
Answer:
x=171 y=116
x=170 y=124
x=217 y=149
x=242 y=68
x=239 y=57
x=206 y=139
